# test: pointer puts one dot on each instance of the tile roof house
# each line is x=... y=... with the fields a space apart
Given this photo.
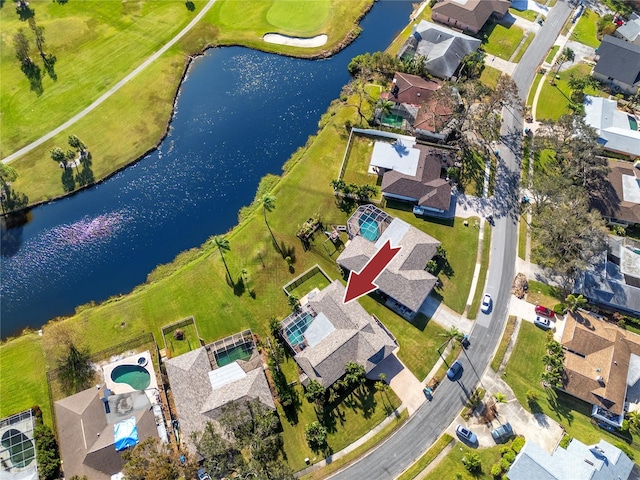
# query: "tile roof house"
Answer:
x=602 y=361
x=327 y=333
x=405 y=282
x=619 y=200
x=413 y=99
x=468 y=15
x=618 y=64
x=630 y=31
x=594 y=462
x=86 y=423
x=441 y=47
x=425 y=188
x=617 y=130
x=200 y=388
x=614 y=281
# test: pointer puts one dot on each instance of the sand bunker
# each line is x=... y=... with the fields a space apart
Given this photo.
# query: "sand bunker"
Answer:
x=316 y=41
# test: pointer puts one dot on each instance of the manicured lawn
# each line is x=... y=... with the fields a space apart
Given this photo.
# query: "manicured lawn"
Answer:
x=361 y=450
x=106 y=44
x=552 y=53
x=490 y=76
x=177 y=347
x=523 y=47
x=23 y=381
x=484 y=266
x=304 y=17
x=534 y=89
x=586 y=29
x=451 y=466
x=356 y=170
x=542 y=294
x=554 y=99
x=504 y=343
x=530 y=15
x=318 y=280
x=522 y=238
x=501 y=41
x=428 y=457
x=523 y=374
x=461 y=244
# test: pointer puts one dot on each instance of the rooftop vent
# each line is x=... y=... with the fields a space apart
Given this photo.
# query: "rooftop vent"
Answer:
x=600 y=380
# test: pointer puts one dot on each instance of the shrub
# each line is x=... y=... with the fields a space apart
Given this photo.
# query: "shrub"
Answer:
x=560 y=308
x=505 y=464
x=517 y=444
x=565 y=441
x=531 y=396
x=509 y=456
x=496 y=470
x=316 y=436
x=47 y=454
x=471 y=462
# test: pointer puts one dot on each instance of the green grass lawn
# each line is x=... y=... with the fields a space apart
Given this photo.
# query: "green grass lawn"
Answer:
x=504 y=343
x=490 y=76
x=500 y=40
x=472 y=177
x=586 y=29
x=523 y=48
x=404 y=34
x=177 y=347
x=120 y=131
x=317 y=280
x=534 y=89
x=356 y=170
x=530 y=15
x=451 y=466
x=484 y=266
x=428 y=457
x=542 y=294
x=523 y=374
x=552 y=53
x=554 y=99
x=23 y=381
x=522 y=238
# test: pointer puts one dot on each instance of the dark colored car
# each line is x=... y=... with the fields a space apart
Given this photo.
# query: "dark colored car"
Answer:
x=543 y=322
x=502 y=433
x=544 y=311
x=454 y=370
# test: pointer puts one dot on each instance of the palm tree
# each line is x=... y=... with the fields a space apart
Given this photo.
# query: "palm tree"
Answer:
x=385 y=107
x=268 y=205
x=453 y=334
x=634 y=419
x=223 y=246
x=574 y=302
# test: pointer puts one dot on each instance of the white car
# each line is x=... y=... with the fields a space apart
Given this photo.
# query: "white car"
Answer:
x=486 y=303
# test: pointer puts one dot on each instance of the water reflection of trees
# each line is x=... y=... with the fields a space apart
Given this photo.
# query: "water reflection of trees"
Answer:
x=11 y=228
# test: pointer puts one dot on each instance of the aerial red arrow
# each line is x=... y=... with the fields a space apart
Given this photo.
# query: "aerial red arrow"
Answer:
x=360 y=284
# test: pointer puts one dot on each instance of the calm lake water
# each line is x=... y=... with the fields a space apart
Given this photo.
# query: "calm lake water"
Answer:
x=240 y=115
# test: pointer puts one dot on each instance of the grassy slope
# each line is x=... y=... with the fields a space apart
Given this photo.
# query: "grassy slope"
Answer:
x=523 y=373
x=129 y=128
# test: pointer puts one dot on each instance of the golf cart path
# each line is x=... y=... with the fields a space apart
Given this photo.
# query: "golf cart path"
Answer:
x=112 y=90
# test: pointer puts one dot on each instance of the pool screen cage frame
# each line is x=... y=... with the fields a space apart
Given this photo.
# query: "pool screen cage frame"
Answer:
x=293 y=320
x=371 y=211
x=229 y=343
x=16 y=422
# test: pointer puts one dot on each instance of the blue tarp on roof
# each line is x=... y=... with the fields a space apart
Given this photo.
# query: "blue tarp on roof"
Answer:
x=125 y=434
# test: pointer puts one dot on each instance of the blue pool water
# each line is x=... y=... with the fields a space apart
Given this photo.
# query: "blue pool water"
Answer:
x=295 y=332
x=369 y=229
x=135 y=376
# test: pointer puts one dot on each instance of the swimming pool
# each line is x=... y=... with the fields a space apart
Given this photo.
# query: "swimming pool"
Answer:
x=20 y=447
x=295 y=332
x=135 y=376
x=241 y=352
x=369 y=228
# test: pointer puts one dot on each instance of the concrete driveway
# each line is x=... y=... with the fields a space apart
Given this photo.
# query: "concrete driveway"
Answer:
x=404 y=383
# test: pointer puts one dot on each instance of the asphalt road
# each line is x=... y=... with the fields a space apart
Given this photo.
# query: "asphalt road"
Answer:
x=421 y=430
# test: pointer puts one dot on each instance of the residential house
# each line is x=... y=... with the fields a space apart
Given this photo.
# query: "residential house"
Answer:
x=94 y=426
x=618 y=64
x=202 y=382
x=630 y=30
x=17 y=448
x=619 y=199
x=441 y=47
x=601 y=366
x=326 y=334
x=468 y=15
x=413 y=173
x=602 y=461
x=617 y=130
x=423 y=113
x=404 y=283
x=613 y=282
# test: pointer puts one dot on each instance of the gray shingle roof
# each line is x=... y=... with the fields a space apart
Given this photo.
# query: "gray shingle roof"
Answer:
x=357 y=338
x=405 y=278
x=443 y=48
x=196 y=401
x=619 y=60
x=86 y=432
x=631 y=29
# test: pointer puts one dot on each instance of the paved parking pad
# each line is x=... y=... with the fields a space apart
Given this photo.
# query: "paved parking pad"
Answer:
x=404 y=383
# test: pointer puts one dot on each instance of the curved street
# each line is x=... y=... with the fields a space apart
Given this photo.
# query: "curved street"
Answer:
x=410 y=441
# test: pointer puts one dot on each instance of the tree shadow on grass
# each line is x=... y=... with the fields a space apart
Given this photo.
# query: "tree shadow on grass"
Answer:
x=560 y=406
x=68 y=181
x=238 y=286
